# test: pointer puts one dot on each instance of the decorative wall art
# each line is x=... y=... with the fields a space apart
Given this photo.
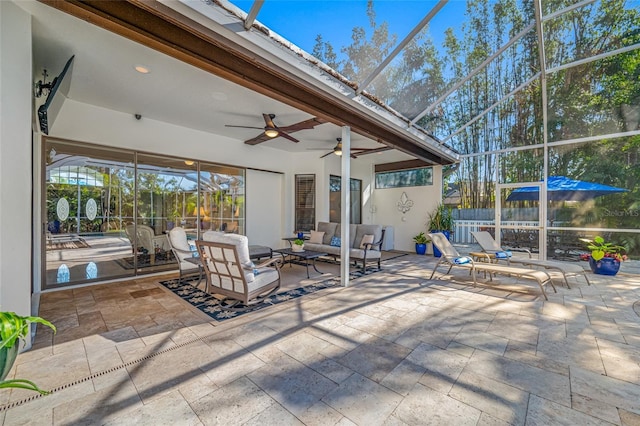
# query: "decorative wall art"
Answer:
x=405 y=204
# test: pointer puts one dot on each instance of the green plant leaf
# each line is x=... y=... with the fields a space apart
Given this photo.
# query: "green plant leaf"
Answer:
x=597 y=254
x=14 y=327
x=22 y=384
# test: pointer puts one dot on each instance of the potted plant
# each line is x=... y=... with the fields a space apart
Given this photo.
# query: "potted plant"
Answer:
x=441 y=220
x=421 y=241
x=13 y=329
x=297 y=244
x=605 y=257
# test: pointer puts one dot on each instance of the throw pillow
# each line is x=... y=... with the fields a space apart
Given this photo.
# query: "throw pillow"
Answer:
x=367 y=239
x=462 y=260
x=316 y=237
x=250 y=266
x=503 y=254
x=335 y=241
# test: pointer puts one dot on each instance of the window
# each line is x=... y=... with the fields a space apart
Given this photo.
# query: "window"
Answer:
x=305 y=202
x=401 y=178
x=335 y=192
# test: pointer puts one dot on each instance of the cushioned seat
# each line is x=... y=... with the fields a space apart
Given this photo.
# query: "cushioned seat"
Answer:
x=231 y=273
x=182 y=251
x=365 y=242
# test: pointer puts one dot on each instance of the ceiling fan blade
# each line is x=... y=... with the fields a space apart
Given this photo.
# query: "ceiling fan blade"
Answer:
x=286 y=136
x=268 y=120
x=243 y=127
x=258 y=139
x=303 y=125
x=327 y=154
x=282 y=131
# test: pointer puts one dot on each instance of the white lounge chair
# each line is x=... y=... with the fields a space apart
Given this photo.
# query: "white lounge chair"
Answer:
x=494 y=251
x=451 y=257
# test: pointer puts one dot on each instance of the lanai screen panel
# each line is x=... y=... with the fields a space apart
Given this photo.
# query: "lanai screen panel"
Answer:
x=594 y=29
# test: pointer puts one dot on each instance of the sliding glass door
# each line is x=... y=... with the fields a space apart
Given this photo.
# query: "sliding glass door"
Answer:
x=108 y=211
x=89 y=200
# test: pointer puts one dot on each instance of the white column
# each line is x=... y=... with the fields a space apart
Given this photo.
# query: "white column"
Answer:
x=16 y=94
x=345 y=211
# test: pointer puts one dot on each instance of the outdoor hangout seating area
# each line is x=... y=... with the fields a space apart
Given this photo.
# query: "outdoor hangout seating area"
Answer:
x=394 y=347
x=282 y=213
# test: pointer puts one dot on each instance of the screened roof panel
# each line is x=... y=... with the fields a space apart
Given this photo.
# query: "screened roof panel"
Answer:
x=491 y=86
x=594 y=29
x=580 y=102
x=471 y=75
x=459 y=39
x=301 y=22
x=514 y=122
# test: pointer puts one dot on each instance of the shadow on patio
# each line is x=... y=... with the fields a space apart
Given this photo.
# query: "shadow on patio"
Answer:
x=393 y=347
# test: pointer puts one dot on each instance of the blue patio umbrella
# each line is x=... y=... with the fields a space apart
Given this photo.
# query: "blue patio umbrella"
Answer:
x=560 y=188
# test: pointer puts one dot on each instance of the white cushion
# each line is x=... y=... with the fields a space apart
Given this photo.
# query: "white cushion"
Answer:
x=316 y=237
x=367 y=239
x=242 y=247
x=178 y=239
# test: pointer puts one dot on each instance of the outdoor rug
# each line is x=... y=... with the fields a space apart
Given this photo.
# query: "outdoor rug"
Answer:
x=210 y=304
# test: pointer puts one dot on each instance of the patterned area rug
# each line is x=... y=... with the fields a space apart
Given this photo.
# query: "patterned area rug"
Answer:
x=210 y=304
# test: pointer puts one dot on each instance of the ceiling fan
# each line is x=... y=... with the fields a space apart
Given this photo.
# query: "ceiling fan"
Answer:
x=270 y=130
x=355 y=152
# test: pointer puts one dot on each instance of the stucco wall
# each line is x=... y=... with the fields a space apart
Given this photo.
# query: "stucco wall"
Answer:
x=15 y=159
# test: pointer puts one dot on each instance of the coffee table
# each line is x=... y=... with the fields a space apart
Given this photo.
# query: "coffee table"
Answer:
x=305 y=255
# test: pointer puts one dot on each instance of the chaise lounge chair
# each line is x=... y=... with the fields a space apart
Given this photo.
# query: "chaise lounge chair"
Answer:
x=495 y=252
x=451 y=257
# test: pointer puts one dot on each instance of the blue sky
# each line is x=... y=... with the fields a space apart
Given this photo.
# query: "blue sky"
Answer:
x=300 y=21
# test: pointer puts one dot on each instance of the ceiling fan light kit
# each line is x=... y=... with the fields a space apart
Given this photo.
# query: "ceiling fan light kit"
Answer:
x=338 y=148
x=272 y=133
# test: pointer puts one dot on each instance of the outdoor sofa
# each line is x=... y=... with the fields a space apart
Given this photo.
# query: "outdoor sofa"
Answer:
x=365 y=241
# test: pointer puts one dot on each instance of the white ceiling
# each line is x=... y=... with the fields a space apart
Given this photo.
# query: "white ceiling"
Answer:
x=173 y=92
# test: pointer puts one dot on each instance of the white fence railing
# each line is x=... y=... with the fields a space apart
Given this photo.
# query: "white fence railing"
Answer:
x=462 y=229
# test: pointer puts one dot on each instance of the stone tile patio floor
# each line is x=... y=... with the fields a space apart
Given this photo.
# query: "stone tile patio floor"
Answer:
x=394 y=348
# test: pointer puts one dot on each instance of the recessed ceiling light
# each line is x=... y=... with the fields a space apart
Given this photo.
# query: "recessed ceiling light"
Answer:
x=142 y=69
x=189 y=162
